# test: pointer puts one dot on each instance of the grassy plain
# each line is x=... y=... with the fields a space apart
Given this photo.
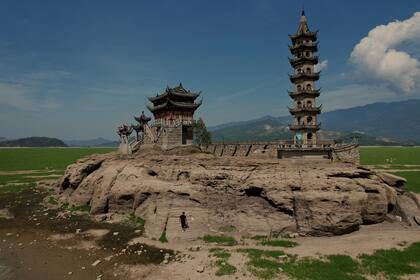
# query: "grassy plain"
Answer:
x=20 y=168
x=401 y=161
x=14 y=159
x=388 y=264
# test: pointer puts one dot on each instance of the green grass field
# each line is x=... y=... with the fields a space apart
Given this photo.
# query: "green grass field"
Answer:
x=20 y=168
x=390 y=264
x=43 y=158
x=401 y=161
x=390 y=155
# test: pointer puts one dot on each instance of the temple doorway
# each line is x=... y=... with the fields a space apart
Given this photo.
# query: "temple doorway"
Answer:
x=187 y=134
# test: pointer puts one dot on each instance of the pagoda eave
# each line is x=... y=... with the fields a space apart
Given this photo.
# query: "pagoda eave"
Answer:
x=303 y=47
x=303 y=60
x=305 y=110
x=307 y=35
x=304 y=77
x=189 y=95
x=304 y=94
x=305 y=127
x=142 y=119
x=175 y=105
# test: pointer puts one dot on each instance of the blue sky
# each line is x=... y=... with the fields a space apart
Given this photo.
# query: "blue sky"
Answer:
x=76 y=69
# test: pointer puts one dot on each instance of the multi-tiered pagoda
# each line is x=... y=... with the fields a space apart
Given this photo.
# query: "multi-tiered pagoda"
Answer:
x=304 y=111
x=173 y=111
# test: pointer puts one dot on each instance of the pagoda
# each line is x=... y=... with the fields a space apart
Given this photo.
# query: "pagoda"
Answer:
x=173 y=111
x=304 y=111
x=142 y=122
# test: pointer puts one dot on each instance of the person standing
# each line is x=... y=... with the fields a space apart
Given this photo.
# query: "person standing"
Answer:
x=183 y=220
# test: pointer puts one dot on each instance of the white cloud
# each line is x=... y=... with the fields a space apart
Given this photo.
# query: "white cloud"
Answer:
x=377 y=60
x=32 y=91
x=321 y=65
x=15 y=95
x=20 y=96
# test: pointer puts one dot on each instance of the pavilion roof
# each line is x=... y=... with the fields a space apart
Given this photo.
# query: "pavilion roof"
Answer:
x=178 y=91
x=142 y=118
x=174 y=104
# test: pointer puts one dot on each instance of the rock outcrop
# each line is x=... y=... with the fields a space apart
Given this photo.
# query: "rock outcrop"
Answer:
x=252 y=196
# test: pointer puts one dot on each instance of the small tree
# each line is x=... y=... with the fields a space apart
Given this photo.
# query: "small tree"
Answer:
x=202 y=136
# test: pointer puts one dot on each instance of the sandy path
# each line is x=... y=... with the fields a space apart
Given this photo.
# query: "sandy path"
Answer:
x=366 y=240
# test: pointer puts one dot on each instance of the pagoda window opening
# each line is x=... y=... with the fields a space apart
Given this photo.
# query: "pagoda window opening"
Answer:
x=309 y=87
x=299 y=87
x=309 y=136
x=309 y=103
x=308 y=70
x=309 y=120
x=307 y=54
x=298 y=120
x=299 y=104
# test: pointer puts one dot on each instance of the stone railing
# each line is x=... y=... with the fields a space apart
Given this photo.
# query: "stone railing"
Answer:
x=243 y=148
x=277 y=149
x=346 y=153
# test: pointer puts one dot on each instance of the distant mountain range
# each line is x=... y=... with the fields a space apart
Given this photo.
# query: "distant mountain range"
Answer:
x=398 y=120
x=374 y=124
x=394 y=123
x=33 y=142
x=54 y=142
x=97 y=142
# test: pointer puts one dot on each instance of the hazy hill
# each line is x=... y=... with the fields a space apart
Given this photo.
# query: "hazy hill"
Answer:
x=33 y=142
x=97 y=142
x=264 y=129
x=269 y=130
x=374 y=124
x=400 y=120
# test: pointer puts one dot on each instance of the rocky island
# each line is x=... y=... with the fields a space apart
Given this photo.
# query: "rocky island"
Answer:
x=258 y=196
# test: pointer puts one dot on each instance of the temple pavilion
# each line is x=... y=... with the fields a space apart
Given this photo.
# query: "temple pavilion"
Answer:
x=304 y=110
x=173 y=111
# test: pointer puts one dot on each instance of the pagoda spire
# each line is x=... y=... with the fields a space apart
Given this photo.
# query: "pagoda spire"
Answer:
x=303 y=24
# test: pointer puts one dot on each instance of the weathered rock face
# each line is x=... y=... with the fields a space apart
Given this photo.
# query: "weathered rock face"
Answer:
x=256 y=196
x=329 y=213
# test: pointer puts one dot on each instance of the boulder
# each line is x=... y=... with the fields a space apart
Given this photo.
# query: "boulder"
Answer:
x=328 y=213
x=408 y=208
x=78 y=171
x=376 y=206
x=392 y=180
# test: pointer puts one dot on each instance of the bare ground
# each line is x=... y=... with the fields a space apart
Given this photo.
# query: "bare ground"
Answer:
x=41 y=243
x=368 y=239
